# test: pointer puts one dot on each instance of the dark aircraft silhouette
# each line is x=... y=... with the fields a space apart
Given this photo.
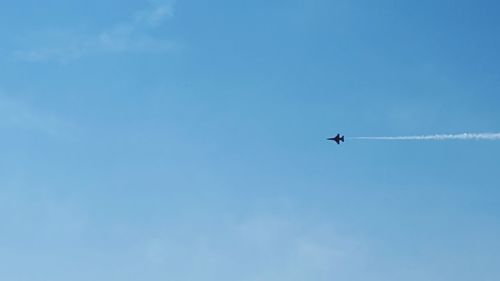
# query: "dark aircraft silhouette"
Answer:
x=337 y=139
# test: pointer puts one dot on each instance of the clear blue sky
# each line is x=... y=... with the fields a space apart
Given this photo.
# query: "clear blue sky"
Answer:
x=181 y=141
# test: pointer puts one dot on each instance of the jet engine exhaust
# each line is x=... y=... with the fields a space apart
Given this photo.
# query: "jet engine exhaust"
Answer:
x=439 y=137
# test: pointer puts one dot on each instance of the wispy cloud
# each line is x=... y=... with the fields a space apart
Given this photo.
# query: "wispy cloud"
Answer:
x=134 y=35
x=156 y=14
x=15 y=114
x=262 y=248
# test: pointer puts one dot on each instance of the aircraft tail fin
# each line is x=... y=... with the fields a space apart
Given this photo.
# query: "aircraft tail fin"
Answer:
x=342 y=138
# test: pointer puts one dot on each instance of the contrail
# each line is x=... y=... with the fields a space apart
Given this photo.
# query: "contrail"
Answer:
x=464 y=136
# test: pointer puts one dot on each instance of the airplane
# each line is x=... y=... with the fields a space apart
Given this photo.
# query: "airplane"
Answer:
x=337 y=139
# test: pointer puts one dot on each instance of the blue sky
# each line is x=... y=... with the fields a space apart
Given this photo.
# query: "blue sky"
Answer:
x=185 y=140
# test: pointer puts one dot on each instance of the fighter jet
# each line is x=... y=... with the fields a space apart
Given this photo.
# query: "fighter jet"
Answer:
x=337 y=139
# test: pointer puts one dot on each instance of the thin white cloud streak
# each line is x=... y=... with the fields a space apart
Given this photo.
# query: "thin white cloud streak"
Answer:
x=130 y=36
x=157 y=14
x=18 y=115
x=439 y=137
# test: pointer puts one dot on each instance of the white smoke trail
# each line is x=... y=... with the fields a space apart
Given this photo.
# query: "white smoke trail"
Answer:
x=464 y=136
